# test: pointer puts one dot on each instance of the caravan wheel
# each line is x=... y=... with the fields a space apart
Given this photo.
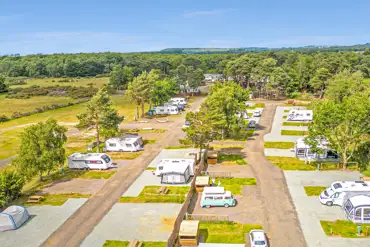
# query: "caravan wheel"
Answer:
x=120 y=150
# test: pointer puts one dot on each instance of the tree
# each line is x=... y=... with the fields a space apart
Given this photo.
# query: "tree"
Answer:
x=344 y=124
x=101 y=115
x=195 y=78
x=11 y=184
x=320 y=80
x=263 y=71
x=41 y=148
x=120 y=76
x=3 y=86
x=162 y=91
x=200 y=132
x=279 y=80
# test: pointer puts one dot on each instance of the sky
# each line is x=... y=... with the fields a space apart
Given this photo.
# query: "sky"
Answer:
x=73 y=26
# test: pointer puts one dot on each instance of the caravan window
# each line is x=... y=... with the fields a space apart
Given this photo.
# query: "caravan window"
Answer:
x=112 y=144
x=218 y=197
x=128 y=145
x=301 y=152
x=366 y=213
x=208 y=198
x=336 y=195
x=105 y=158
x=160 y=168
x=161 y=110
x=348 y=207
x=135 y=143
x=337 y=186
x=94 y=162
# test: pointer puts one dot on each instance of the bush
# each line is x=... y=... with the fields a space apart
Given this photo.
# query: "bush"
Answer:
x=3 y=118
x=11 y=184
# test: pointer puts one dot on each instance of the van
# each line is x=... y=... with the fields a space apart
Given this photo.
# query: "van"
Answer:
x=217 y=197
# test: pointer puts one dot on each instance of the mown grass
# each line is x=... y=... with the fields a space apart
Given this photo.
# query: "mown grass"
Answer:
x=150 y=168
x=77 y=82
x=281 y=145
x=142 y=130
x=52 y=199
x=286 y=110
x=125 y=155
x=314 y=190
x=285 y=117
x=225 y=232
x=176 y=194
x=296 y=123
x=235 y=185
x=241 y=135
x=231 y=159
x=98 y=174
x=294 y=132
x=288 y=163
x=149 y=142
x=178 y=147
x=227 y=146
x=257 y=105
x=342 y=228
x=116 y=243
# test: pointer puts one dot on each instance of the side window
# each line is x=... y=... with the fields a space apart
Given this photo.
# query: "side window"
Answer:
x=160 y=168
x=218 y=197
x=161 y=110
x=135 y=143
x=112 y=144
x=336 y=195
x=227 y=197
x=208 y=198
x=128 y=145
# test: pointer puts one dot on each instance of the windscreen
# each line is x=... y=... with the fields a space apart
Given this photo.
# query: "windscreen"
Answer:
x=105 y=158
x=259 y=242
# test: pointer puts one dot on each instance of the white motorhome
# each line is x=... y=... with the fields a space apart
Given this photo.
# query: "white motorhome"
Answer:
x=304 y=151
x=300 y=115
x=168 y=165
x=166 y=110
x=93 y=161
x=179 y=100
x=125 y=143
x=326 y=197
x=357 y=209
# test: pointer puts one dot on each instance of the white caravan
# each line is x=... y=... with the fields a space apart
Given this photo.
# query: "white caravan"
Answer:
x=326 y=197
x=169 y=165
x=300 y=115
x=166 y=110
x=179 y=100
x=93 y=161
x=303 y=151
x=125 y=143
x=357 y=209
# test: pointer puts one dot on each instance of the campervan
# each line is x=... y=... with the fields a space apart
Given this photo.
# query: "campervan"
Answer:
x=217 y=197
x=304 y=151
x=98 y=161
x=166 y=165
x=166 y=110
x=125 y=143
x=300 y=115
x=179 y=100
x=326 y=197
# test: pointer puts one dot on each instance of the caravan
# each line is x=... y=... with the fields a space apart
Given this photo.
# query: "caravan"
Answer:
x=304 y=151
x=179 y=100
x=125 y=143
x=300 y=115
x=175 y=171
x=98 y=161
x=217 y=197
x=166 y=110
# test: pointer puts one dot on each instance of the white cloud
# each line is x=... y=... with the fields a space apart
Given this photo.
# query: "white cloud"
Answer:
x=206 y=12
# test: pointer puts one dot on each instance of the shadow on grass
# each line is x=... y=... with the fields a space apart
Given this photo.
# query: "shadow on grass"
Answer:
x=203 y=235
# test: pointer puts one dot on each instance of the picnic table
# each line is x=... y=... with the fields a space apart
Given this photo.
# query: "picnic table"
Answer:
x=34 y=199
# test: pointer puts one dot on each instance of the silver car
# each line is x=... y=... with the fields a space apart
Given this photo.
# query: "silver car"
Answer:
x=258 y=238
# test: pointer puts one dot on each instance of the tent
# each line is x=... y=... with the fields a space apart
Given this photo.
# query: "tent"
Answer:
x=13 y=217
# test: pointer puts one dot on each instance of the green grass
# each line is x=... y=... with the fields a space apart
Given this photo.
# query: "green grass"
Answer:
x=235 y=185
x=227 y=146
x=242 y=135
x=288 y=163
x=296 y=124
x=53 y=199
x=286 y=110
x=98 y=174
x=125 y=155
x=285 y=117
x=142 y=130
x=82 y=82
x=116 y=243
x=178 y=147
x=225 y=232
x=231 y=159
x=366 y=172
x=281 y=145
x=150 y=168
x=294 y=132
x=149 y=142
x=314 y=190
x=176 y=194
x=257 y=105
x=342 y=228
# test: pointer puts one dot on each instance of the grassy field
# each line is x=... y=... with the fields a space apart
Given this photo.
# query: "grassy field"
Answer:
x=82 y=82
x=226 y=146
x=98 y=174
x=235 y=185
x=176 y=194
x=125 y=155
x=294 y=132
x=231 y=159
x=288 y=163
x=116 y=243
x=56 y=199
x=178 y=147
x=225 y=232
x=296 y=124
x=281 y=145
x=342 y=228
x=314 y=190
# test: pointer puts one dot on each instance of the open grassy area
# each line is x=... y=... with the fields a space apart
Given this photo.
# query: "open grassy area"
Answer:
x=242 y=135
x=288 y=163
x=286 y=110
x=176 y=194
x=294 y=132
x=235 y=185
x=149 y=142
x=296 y=124
x=231 y=159
x=56 y=199
x=225 y=232
x=314 y=190
x=281 y=145
x=342 y=228
x=116 y=243
x=285 y=117
x=125 y=155
x=142 y=130
x=98 y=174
x=227 y=146
x=257 y=105
x=77 y=82
x=178 y=147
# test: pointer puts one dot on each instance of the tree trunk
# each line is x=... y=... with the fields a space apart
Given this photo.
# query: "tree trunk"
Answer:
x=142 y=110
x=137 y=112
x=41 y=177
x=97 y=137
x=322 y=93
x=344 y=159
x=48 y=173
x=200 y=152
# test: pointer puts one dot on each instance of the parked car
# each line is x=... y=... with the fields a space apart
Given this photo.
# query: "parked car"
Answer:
x=187 y=124
x=217 y=197
x=258 y=238
x=257 y=113
x=252 y=124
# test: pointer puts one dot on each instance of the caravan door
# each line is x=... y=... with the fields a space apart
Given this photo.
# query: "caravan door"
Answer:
x=170 y=179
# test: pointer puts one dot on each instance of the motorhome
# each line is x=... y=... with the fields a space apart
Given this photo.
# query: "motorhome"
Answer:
x=166 y=110
x=326 y=197
x=304 y=151
x=300 y=115
x=179 y=100
x=217 y=197
x=97 y=161
x=357 y=209
x=125 y=143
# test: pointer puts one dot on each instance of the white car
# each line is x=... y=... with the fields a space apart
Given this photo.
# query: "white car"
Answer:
x=257 y=113
x=258 y=238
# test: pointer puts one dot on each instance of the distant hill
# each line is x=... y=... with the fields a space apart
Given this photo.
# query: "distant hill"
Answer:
x=358 y=48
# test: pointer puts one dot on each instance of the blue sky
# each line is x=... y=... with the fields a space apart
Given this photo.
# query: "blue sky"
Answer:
x=71 y=26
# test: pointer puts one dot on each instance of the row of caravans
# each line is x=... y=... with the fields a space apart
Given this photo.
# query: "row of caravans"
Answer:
x=172 y=107
x=352 y=196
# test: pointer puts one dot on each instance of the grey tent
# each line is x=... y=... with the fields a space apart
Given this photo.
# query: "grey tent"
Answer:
x=13 y=217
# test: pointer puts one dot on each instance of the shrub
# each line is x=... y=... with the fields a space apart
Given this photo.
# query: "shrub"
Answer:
x=3 y=118
x=11 y=184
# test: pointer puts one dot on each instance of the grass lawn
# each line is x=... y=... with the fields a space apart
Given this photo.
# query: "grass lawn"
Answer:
x=282 y=145
x=288 y=163
x=231 y=159
x=294 y=132
x=149 y=142
x=82 y=82
x=235 y=185
x=116 y=243
x=314 y=190
x=150 y=168
x=52 y=199
x=176 y=194
x=125 y=155
x=225 y=232
x=296 y=124
x=142 y=130
x=178 y=147
x=286 y=110
x=257 y=105
x=242 y=135
x=285 y=117
x=342 y=228
x=227 y=146
x=98 y=174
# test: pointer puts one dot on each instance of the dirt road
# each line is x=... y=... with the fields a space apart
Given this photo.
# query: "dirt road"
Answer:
x=282 y=224
x=82 y=222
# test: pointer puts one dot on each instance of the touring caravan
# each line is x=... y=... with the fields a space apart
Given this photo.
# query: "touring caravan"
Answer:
x=357 y=209
x=217 y=197
x=340 y=197
x=125 y=143
x=326 y=197
x=304 y=151
x=300 y=115
x=166 y=110
x=179 y=100
x=168 y=165
x=97 y=161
